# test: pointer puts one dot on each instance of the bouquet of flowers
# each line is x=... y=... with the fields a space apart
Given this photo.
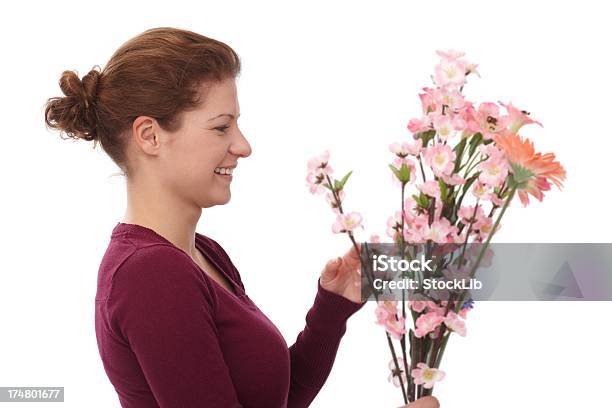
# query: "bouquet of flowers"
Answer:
x=456 y=153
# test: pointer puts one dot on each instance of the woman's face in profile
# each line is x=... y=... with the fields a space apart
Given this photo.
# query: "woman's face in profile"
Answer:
x=209 y=139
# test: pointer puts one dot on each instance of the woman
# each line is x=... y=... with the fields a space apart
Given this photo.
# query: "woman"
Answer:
x=174 y=325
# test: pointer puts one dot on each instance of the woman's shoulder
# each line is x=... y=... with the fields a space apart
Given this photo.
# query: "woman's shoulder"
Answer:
x=133 y=262
x=136 y=245
x=144 y=248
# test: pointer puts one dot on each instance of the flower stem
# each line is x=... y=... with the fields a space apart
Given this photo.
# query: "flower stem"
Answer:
x=403 y=338
x=486 y=244
x=397 y=368
x=364 y=269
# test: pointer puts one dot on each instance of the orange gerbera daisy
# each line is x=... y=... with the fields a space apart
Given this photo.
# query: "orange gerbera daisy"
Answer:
x=532 y=171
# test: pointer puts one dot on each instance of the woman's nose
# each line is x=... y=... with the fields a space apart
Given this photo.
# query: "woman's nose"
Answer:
x=241 y=146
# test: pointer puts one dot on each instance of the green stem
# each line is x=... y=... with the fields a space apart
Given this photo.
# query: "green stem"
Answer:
x=439 y=359
x=486 y=244
x=441 y=352
x=403 y=338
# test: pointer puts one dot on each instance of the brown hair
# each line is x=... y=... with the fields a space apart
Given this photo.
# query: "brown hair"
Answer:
x=157 y=73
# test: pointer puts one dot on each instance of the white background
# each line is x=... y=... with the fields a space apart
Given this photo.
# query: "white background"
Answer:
x=342 y=76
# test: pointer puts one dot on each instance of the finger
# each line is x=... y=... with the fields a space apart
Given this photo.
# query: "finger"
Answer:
x=355 y=251
x=332 y=266
x=352 y=256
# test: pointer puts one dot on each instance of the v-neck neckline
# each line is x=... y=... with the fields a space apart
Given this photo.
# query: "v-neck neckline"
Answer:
x=236 y=289
x=237 y=292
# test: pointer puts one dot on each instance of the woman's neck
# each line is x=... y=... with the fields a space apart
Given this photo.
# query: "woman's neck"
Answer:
x=164 y=213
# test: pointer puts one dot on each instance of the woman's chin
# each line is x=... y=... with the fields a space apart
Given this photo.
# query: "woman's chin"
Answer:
x=224 y=197
x=222 y=191
x=219 y=197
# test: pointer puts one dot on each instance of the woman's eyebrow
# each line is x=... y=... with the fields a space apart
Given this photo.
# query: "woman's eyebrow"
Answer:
x=223 y=114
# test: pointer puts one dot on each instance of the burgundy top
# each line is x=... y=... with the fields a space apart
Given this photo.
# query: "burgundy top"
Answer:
x=171 y=336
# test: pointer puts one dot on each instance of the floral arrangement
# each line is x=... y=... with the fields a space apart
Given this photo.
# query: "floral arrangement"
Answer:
x=456 y=153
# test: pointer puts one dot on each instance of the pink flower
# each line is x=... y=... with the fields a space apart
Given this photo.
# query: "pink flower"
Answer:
x=486 y=193
x=396 y=327
x=430 y=188
x=459 y=123
x=459 y=238
x=427 y=323
x=487 y=120
x=394 y=224
x=347 y=222
x=454 y=323
x=443 y=126
x=419 y=125
x=386 y=316
x=452 y=98
x=439 y=230
x=409 y=205
x=491 y=151
x=440 y=158
x=416 y=231
x=470 y=67
x=438 y=309
x=485 y=226
x=320 y=163
x=466 y=213
x=493 y=172
x=426 y=376
x=318 y=171
x=394 y=377
x=428 y=103
x=453 y=179
x=405 y=149
x=518 y=118
x=375 y=239
x=480 y=190
x=417 y=305
x=450 y=73
x=385 y=310
x=315 y=182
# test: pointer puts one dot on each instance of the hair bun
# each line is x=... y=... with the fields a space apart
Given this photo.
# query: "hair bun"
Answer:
x=85 y=90
x=76 y=113
x=90 y=87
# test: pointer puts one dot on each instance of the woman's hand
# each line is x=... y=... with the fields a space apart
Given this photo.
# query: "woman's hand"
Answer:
x=343 y=276
x=425 y=402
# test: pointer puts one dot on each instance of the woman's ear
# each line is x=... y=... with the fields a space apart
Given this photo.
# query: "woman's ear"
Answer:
x=145 y=135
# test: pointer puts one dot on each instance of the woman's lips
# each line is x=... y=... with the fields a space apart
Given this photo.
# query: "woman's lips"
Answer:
x=227 y=177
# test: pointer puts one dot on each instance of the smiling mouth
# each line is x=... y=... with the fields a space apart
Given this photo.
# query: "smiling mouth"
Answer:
x=225 y=172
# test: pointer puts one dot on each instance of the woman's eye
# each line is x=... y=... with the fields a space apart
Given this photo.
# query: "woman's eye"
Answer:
x=221 y=128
